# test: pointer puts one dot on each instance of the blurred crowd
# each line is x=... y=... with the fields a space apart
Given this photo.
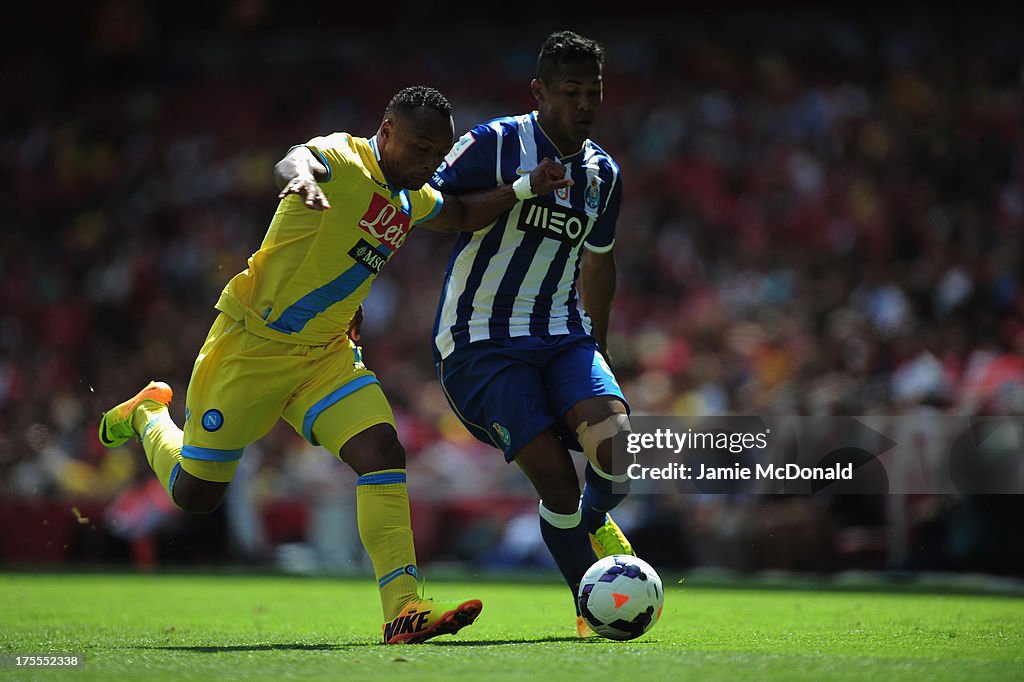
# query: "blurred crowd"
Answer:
x=821 y=215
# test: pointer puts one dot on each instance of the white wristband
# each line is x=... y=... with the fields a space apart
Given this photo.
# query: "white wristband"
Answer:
x=522 y=188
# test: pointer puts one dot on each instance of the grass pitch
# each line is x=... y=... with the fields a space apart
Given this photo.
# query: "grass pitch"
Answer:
x=183 y=627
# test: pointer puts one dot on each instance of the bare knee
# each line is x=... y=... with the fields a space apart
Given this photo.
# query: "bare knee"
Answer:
x=596 y=423
x=196 y=496
x=375 y=449
x=563 y=498
x=559 y=487
x=547 y=464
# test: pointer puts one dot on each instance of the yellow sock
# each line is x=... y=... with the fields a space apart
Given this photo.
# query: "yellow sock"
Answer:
x=382 y=510
x=161 y=439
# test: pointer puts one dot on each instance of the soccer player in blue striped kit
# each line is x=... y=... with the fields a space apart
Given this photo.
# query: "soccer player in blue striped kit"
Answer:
x=521 y=357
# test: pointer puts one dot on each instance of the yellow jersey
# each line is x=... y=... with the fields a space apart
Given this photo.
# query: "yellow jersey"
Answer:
x=314 y=268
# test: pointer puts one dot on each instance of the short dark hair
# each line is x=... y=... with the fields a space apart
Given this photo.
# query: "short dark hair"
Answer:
x=566 y=47
x=409 y=99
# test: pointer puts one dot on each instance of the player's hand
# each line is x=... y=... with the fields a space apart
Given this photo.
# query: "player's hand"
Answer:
x=310 y=191
x=548 y=176
x=356 y=324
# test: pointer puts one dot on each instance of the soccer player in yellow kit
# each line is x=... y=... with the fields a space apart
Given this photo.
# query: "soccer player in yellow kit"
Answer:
x=282 y=344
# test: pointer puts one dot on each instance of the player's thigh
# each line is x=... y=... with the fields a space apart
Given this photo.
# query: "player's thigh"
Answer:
x=196 y=495
x=238 y=389
x=550 y=468
x=581 y=386
x=343 y=408
x=500 y=399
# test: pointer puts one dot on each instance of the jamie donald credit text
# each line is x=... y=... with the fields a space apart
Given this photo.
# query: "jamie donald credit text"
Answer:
x=737 y=472
x=773 y=455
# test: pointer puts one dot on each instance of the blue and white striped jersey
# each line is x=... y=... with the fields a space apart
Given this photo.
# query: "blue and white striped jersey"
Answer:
x=517 y=277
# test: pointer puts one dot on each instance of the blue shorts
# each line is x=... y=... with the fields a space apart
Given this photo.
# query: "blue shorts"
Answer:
x=507 y=391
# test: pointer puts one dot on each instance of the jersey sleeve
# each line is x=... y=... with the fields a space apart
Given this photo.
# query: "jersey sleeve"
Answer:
x=471 y=164
x=332 y=151
x=602 y=238
x=426 y=203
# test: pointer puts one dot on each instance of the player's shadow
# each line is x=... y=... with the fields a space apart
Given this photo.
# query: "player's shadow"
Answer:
x=500 y=642
x=352 y=645
x=260 y=647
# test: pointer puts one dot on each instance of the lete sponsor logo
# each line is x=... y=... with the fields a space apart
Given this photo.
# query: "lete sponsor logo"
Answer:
x=385 y=222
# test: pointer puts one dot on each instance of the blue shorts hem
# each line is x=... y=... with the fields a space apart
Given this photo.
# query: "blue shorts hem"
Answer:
x=508 y=391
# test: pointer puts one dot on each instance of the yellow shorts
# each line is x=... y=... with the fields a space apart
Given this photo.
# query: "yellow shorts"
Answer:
x=242 y=384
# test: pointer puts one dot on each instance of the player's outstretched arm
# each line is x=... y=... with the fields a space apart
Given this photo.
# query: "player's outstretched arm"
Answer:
x=597 y=289
x=477 y=210
x=297 y=173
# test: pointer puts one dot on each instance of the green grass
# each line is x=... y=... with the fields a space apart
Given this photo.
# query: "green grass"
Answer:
x=182 y=627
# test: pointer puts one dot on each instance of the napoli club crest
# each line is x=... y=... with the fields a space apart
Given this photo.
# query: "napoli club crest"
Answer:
x=212 y=420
